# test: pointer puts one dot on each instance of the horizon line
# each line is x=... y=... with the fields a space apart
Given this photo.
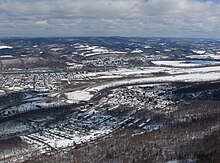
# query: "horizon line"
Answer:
x=143 y=37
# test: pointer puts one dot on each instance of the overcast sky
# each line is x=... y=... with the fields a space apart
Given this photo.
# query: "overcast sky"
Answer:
x=145 y=18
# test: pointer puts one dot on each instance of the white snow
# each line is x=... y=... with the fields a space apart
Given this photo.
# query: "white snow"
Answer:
x=79 y=46
x=147 y=71
x=125 y=72
x=89 y=50
x=118 y=52
x=59 y=142
x=195 y=77
x=147 y=47
x=185 y=63
x=199 y=51
x=15 y=88
x=5 y=47
x=6 y=56
x=92 y=54
x=110 y=77
x=100 y=50
x=77 y=96
x=167 y=50
x=199 y=70
x=205 y=56
x=137 y=51
x=56 y=49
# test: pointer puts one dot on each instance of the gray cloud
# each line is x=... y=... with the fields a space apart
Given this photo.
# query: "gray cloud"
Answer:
x=179 y=18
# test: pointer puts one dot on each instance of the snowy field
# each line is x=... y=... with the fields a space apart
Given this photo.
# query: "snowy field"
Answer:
x=5 y=47
x=89 y=50
x=205 y=56
x=186 y=63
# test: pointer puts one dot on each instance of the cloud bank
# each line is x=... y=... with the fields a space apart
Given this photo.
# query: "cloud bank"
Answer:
x=145 y=18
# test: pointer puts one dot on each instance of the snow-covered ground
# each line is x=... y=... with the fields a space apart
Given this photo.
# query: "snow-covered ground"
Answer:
x=194 y=77
x=205 y=56
x=15 y=89
x=146 y=71
x=77 y=96
x=49 y=137
x=137 y=51
x=92 y=50
x=199 y=51
x=56 y=49
x=6 y=56
x=5 y=47
x=147 y=47
x=125 y=72
x=186 y=63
